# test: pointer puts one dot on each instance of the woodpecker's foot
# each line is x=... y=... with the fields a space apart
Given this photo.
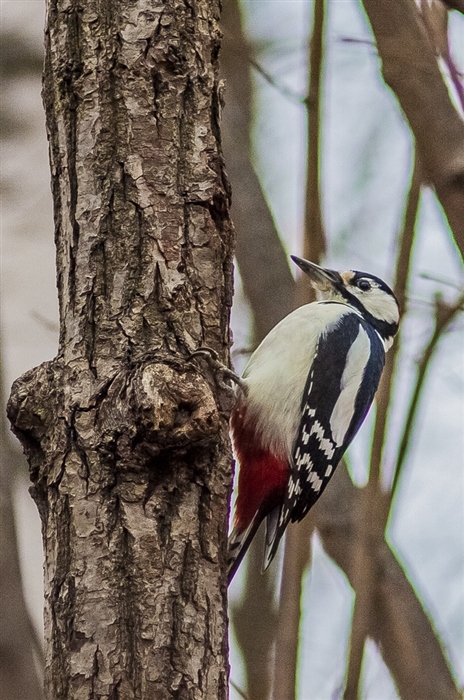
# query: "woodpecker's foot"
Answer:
x=219 y=369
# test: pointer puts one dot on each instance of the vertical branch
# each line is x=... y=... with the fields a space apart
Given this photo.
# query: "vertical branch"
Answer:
x=269 y=287
x=297 y=555
x=298 y=537
x=255 y=619
x=444 y=314
x=19 y=643
x=372 y=505
x=435 y=18
x=314 y=244
x=402 y=42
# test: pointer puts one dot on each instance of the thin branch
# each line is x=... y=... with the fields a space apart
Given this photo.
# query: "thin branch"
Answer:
x=457 y=5
x=435 y=16
x=238 y=690
x=444 y=314
x=440 y=279
x=280 y=87
x=297 y=556
x=400 y=627
x=314 y=245
x=438 y=129
x=298 y=538
x=237 y=47
x=373 y=516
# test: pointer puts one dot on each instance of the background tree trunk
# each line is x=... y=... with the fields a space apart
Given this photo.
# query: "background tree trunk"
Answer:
x=19 y=665
x=128 y=440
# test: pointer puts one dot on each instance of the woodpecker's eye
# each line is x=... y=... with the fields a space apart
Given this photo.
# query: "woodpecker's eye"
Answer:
x=364 y=285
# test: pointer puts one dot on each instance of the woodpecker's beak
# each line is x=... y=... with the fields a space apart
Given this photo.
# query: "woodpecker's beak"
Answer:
x=323 y=280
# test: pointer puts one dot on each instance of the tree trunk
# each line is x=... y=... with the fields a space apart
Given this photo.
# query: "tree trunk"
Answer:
x=127 y=439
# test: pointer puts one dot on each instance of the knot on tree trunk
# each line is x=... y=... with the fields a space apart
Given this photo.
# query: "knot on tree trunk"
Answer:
x=156 y=406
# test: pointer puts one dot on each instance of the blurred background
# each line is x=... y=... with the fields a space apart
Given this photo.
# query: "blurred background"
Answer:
x=322 y=163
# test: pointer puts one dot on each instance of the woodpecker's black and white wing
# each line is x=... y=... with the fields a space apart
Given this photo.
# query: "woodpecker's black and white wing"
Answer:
x=339 y=391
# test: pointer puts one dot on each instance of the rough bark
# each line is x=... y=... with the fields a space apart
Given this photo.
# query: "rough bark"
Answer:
x=128 y=440
x=410 y=68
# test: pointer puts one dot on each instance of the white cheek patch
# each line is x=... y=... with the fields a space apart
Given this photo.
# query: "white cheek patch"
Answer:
x=350 y=384
x=378 y=303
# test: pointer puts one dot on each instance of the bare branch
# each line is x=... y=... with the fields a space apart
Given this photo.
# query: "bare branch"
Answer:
x=242 y=51
x=239 y=690
x=314 y=239
x=298 y=538
x=400 y=627
x=444 y=314
x=19 y=641
x=435 y=16
x=402 y=42
x=372 y=516
x=297 y=556
x=255 y=620
x=455 y=5
x=266 y=277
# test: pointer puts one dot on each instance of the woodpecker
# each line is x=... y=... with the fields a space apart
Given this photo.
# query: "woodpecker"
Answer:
x=302 y=398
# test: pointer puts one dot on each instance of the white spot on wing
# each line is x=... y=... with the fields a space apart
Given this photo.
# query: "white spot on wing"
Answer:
x=315 y=482
x=325 y=444
x=356 y=361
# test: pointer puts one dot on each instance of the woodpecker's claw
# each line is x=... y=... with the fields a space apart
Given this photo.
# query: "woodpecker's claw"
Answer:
x=218 y=367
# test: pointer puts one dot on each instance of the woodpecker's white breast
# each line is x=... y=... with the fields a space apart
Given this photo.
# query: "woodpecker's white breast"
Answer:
x=277 y=371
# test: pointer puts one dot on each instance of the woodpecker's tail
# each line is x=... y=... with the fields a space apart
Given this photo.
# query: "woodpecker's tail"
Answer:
x=274 y=532
x=239 y=541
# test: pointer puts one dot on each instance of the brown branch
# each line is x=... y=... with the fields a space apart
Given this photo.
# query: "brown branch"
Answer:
x=435 y=18
x=297 y=556
x=19 y=677
x=373 y=514
x=457 y=5
x=444 y=314
x=254 y=619
x=314 y=245
x=262 y=260
x=283 y=89
x=242 y=51
x=298 y=538
x=268 y=285
x=402 y=42
x=400 y=627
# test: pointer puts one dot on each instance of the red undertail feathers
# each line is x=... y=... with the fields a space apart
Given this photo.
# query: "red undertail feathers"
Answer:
x=262 y=483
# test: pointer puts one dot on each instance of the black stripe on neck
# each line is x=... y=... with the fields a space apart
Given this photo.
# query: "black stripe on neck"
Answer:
x=385 y=329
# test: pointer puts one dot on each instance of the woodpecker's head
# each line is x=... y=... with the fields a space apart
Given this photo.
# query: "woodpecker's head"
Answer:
x=367 y=293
